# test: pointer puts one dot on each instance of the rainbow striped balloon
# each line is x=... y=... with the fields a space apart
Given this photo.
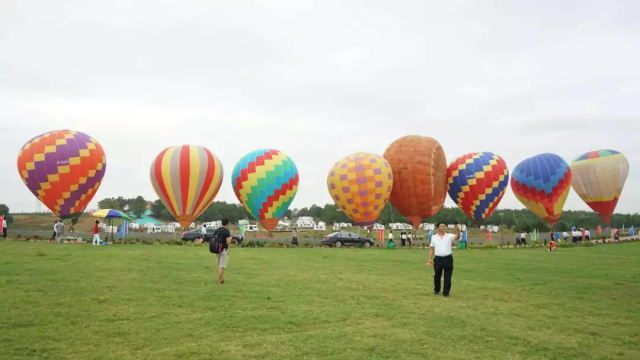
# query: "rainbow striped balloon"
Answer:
x=186 y=178
x=266 y=181
x=542 y=184
x=64 y=170
x=476 y=183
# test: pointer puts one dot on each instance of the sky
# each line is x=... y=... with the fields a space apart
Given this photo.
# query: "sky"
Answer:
x=319 y=81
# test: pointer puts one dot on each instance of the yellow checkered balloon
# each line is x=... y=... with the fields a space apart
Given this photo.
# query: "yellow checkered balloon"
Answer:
x=360 y=184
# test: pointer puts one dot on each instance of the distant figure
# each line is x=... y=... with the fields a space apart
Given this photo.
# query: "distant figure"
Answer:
x=410 y=239
x=294 y=237
x=587 y=235
x=403 y=239
x=59 y=231
x=4 y=227
x=391 y=236
x=565 y=236
x=552 y=245
x=203 y=231
x=557 y=236
x=617 y=235
x=574 y=236
x=584 y=234
x=523 y=238
x=96 y=233
x=517 y=239
x=55 y=230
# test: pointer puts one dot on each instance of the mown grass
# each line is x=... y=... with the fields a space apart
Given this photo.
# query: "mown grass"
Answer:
x=136 y=302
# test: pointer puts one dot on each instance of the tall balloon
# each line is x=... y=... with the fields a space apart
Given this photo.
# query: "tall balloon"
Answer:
x=360 y=184
x=186 y=178
x=419 y=177
x=266 y=181
x=476 y=183
x=598 y=177
x=64 y=170
x=542 y=184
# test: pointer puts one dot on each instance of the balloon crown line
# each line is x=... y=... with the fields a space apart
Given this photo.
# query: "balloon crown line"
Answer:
x=65 y=168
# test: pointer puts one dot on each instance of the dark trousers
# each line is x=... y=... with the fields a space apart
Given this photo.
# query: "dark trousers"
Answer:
x=4 y=232
x=439 y=264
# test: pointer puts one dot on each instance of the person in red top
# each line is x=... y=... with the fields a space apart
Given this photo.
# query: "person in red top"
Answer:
x=96 y=234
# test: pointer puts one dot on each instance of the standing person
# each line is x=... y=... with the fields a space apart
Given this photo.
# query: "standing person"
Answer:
x=565 y=235
x=441 y=258
x=96 y=233
x=294 y=237
x=517 y=238
x=203 y=231
x=410 y=239
x=587 y=235
x=59 y=230
x=403 y=239
x=391 y=236
x=4 y=227
x=523 y=238
x=219 y=245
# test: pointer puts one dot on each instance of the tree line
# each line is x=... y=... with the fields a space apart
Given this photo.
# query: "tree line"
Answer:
x=520 y=219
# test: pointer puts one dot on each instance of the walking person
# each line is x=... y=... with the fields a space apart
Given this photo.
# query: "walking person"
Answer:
x=410 y=239
x=441 y=257
x=294 y=237
x=4 y=227
x=219 y=245
x=96 y=233
x=55 y=230
x=523 y=238
x=517 y=239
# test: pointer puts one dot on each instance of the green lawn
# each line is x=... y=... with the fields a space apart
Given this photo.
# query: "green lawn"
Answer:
x=136 y=301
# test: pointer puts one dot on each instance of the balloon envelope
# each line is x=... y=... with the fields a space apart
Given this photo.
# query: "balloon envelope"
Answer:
x=542 y=184
x=598 y=177
x=360 y=184
x=64 y=169
x=419 y=177
x=186 y=178
x=476 y=183
x=265 y=182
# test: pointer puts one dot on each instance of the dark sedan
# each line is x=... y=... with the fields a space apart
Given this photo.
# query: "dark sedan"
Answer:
x=197 y=235
x=338 y=239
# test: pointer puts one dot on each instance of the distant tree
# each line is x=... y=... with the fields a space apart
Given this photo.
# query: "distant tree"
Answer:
x=4 y=211
x=138 y=206
x=109 y=203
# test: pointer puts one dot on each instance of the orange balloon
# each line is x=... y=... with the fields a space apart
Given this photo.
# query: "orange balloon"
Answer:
x=419 y=177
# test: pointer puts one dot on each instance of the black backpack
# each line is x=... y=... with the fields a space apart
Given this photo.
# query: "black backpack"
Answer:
x=215 y=243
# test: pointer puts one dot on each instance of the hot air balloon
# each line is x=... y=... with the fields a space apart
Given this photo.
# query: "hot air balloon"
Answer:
x=476 y=183
x=64 y=170
x=419 y=177
x=598 y=177
x=542 y=184
x=186 y=178
x=360 y=184
x=266 y=181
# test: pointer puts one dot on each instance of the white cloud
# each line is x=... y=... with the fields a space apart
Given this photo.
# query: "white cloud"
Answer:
x=318 y=80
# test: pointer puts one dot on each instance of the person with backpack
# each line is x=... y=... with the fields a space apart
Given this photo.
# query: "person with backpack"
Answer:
x=219 y=245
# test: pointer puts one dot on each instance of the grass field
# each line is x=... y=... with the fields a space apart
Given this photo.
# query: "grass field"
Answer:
x=134 y=302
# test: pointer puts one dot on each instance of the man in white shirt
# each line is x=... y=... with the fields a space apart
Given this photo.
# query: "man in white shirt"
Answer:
x=587 y=234
x=391 y=236
x=441 y=244
x=523 y=238
x=565 y=236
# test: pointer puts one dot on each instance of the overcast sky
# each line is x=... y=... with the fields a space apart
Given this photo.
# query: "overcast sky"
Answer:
x=319 y=81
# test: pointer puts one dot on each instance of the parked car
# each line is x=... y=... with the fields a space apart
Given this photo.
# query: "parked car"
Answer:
x=197 y=235
x=338 y=239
